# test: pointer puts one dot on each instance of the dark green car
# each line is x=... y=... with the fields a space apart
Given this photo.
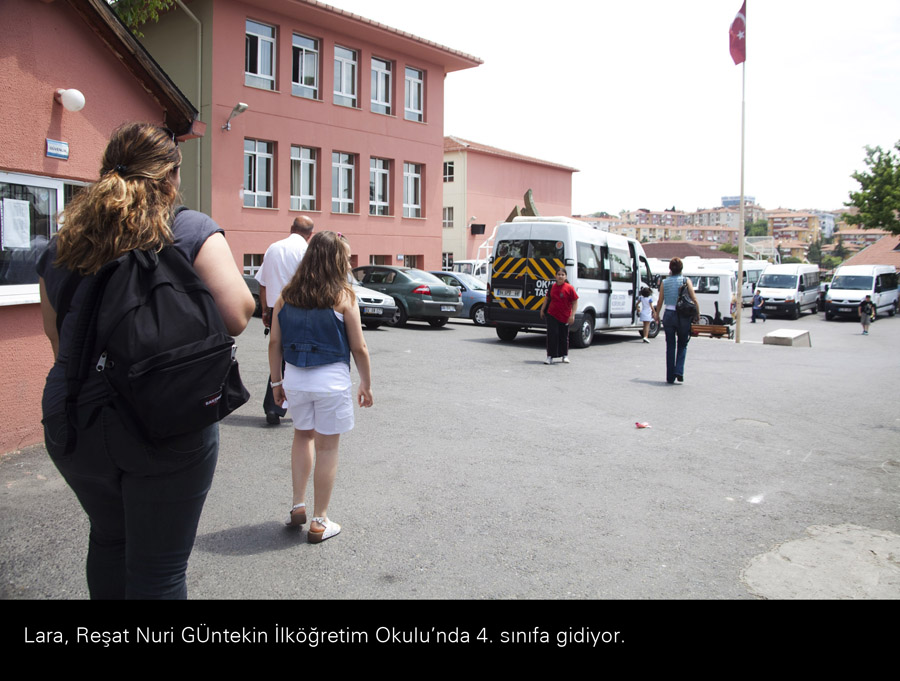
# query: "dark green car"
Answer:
x=418 y=294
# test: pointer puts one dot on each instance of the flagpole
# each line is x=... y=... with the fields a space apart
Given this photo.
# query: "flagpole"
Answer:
x=741 y=230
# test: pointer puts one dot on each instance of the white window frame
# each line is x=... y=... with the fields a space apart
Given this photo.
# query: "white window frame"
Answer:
x=299 y=72
x=345 y=77
x=379 y=203
x=23 y=294
x=412 y=190
x=252 y=263
x=447 y=218
x=414 y=98
x=258 y=157
x=303 y=165
x=449 y=171
x=382 y=74
x=264 y=43
x=343 y=179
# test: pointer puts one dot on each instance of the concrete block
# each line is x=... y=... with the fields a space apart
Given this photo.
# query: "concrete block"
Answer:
x=795 y=337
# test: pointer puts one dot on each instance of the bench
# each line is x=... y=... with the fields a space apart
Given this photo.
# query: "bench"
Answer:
x=712 y=330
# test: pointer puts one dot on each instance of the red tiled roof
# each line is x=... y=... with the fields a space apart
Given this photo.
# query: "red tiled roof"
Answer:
x=458 y=144
x=885 y=251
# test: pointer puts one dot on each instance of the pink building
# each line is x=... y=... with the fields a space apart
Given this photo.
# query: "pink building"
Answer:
x=336 y=117
x=48 y=151
x=482 y=185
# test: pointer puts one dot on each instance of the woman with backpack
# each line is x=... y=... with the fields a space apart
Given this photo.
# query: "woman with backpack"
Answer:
x=315 y=328
x=676 y=325
x=143 y=498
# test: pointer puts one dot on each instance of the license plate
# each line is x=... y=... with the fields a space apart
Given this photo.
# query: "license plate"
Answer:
x=845 y=309
x=771 y=307
x=448 y=308
x=372 y=310
x=509 y=293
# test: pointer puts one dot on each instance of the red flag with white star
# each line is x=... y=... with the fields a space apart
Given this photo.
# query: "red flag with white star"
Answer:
x=737 y=35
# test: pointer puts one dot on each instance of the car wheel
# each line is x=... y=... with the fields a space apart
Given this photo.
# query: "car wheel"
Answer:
x=258 y=311
x=400 y=317
x=371 y=326
x=479 y=316
x=584 y=334
x=704 y=319
x=654 y=329
x=507 y=333
x=829 y=316
x=438 y=322
x=795 y=312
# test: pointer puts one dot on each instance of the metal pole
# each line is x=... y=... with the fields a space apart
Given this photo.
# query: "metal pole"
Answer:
x=740 y=273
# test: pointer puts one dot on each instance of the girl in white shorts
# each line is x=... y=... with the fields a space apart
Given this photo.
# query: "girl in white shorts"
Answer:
x=315 y=329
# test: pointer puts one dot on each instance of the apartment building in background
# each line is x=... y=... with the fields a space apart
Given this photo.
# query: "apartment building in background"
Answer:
x=312 y=111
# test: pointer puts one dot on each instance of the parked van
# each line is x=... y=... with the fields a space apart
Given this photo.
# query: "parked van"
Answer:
x=851 y=285
x=753 y=270
x=790 y=289
x=477 y=268
x=607 y=270
x=716 y=292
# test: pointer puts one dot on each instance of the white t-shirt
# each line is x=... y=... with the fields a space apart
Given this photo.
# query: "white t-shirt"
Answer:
x=279 y=265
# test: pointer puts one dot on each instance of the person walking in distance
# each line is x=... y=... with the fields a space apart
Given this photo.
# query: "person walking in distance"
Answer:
x=758 y=302
x=280 y=263
x=315 y=329
x=866 y=313
x=559 y=305
x=676 y=326
x=646 y=312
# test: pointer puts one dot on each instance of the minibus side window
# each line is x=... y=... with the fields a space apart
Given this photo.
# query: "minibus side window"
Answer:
x=620 y=266
x=590 y=262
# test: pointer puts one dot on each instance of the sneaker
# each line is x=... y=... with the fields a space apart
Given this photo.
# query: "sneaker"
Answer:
x=680 y=379
x=549 y=360
x=646 y=340
x=329 y=529
x=565 y=360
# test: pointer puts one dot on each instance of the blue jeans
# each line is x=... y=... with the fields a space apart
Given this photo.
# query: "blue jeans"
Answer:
x=678 y=333
x=144 y=502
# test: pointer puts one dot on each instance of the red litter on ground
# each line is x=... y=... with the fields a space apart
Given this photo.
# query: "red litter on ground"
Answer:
x=640 y=424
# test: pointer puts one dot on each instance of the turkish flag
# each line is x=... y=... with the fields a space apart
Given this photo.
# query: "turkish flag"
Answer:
x=737 y=35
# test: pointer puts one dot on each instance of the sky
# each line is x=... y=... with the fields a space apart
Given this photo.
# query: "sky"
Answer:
x=643 y=98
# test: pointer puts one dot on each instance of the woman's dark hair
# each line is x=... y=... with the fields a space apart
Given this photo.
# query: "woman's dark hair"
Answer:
x=675 y=266
x=129 y=207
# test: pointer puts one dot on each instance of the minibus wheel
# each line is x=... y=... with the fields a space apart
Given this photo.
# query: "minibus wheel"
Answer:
x=507 y=333
x=654 y=329
x=584 y=334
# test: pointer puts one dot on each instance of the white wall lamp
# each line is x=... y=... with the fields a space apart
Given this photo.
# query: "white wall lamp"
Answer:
x=238 y=109
x=71 y=99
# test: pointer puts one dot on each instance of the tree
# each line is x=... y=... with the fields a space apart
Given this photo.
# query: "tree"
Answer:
x=136 y=13
x=758 y=228
x=878 y=198
x=814 y=253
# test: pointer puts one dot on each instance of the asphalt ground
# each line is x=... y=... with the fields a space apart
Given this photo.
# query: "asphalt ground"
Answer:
x=481 y=473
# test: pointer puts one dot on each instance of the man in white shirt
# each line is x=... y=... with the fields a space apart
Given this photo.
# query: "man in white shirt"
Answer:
x=279 y=265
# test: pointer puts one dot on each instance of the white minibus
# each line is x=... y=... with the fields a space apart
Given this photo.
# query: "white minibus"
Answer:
x=851 y=285
x=790 y=289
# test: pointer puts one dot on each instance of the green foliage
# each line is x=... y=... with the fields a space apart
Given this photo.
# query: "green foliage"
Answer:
x=878 y=198
x=790 y=259
x=829 y=262
x=136 y=13
x=814 y=253
x=728 y=248
x=758 y=228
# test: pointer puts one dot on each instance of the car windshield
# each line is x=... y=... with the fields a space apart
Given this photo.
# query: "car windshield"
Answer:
x=778 y=281
x=852 y=282
x=471 y=282
x=422 y=277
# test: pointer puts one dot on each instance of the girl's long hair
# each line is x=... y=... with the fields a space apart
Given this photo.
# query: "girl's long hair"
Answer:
x=323 y=276
x=129 y=207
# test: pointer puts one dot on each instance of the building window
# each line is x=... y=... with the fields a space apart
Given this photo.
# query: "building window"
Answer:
x=446 y=261
x=258 y=165
x=381 y=85
x=252 y=263
x=412 y=190
x=415 y=95
x=342 y=179
x=411 y=261
x=259 y=55
x=380 y=260
x=344 y=76
x=448 y=217
x=379 y=186
x=303 y=178
x=305 y=72
x=448 y=171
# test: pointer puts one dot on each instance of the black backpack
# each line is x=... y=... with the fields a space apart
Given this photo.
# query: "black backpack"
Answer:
x=150 y=326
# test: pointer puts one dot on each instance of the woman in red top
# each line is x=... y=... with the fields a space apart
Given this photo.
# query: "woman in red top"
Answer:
x=560 y=313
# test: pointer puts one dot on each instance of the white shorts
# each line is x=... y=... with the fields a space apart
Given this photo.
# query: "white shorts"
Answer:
x=325 y=413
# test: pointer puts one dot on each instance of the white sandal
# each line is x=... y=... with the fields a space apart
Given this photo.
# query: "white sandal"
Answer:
x=318 y=536
x=297 y=516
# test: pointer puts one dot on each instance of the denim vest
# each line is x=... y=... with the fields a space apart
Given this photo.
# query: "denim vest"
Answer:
x=671 y=289
x=311 y=338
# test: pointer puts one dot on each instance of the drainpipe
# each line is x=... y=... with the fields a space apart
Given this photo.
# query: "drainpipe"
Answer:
x=199 y=168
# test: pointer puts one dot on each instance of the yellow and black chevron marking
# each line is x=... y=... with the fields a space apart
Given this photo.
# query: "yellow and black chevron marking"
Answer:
x=529 y=303
x=533 y=268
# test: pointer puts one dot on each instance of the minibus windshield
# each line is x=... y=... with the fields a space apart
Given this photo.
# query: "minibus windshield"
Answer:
x=852 y=282
x=778 y=281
